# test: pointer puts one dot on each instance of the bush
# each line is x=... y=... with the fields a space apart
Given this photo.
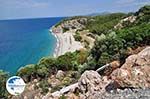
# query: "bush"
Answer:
x=48 y=66
x=66 y=62
x=44 y=86
x=3 y=78
x=104 y=23
x=27 y=72
x=113 y=46
x=42 y=71
x=65 y=29
x=77 y=37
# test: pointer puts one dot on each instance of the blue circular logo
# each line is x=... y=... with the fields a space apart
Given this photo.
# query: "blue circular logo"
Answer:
x=15 y=85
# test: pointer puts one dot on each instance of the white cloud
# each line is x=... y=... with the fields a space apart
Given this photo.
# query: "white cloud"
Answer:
x=24 y=3
x=127 y=3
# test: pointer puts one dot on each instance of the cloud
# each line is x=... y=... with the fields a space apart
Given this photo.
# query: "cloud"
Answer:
x=127 y=3
x=23 y=3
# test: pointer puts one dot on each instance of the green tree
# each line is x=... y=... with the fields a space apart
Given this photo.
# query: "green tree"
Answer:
x=3 y=78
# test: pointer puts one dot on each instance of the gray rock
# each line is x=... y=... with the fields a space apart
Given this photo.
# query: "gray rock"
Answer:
x=91 y=84
x=60 y=74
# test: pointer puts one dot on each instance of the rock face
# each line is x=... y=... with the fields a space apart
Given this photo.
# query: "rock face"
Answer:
x=91 y=84
x=127 y=20
x=135 y=72
x=77 y=23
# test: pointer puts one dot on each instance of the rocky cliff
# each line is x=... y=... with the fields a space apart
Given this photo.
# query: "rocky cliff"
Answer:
x=131 y=80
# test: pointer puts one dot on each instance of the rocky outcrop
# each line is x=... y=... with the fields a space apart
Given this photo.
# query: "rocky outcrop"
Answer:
x=91 y=84
x=70 y=24
x=131 y=80
x=125 y=21
x=135 y=71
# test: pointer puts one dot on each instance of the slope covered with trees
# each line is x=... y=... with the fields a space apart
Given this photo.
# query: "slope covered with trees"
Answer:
x=114 y=44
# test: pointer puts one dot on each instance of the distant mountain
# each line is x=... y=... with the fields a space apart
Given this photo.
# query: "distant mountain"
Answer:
x=95 y=14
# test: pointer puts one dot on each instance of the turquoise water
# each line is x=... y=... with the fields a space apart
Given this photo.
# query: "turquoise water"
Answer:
x=25 y=42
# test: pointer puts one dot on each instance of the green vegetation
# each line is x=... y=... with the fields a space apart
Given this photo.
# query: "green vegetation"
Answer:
x=104 y=23
x=3 y=78
x=44 y=86
x=65 y=29
x=113 y=45
x=77 y=37
x=69 y=18
x=48 y=66
x=143 y=14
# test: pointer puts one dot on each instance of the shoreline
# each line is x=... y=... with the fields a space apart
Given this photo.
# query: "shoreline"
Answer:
x=55 y=54
x=65 y=42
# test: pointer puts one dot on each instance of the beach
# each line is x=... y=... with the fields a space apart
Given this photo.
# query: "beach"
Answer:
x=65 y=43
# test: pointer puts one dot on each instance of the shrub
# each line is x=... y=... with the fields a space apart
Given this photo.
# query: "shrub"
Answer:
x=77 y=37
x=44 y=86
x=104 y=23
x=113 y=46
x=27 y=72
x=65 y=29
x=3 y=78
x=42 y=71
x=66 y=62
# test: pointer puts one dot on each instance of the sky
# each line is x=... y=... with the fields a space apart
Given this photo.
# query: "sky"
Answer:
x=18 y=9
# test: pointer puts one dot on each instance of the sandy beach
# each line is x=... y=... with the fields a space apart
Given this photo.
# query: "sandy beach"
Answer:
x=65 y=43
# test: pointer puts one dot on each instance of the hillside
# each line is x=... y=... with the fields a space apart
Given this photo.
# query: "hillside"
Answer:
x=108 y=40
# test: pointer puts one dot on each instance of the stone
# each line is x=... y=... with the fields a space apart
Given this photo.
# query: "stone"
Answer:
x=92 y=84
x=71 y=96
x=60 y=74
x=53 y=81
x=56 y=94
x=70 y=88
x=135 y=71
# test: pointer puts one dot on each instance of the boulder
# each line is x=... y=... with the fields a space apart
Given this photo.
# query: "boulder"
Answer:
x=91 y=84
x=60 y=74
x=53 y=81
x=135 y=71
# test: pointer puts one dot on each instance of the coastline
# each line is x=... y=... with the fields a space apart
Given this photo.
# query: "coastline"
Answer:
x=55 y=54
x=65 y=42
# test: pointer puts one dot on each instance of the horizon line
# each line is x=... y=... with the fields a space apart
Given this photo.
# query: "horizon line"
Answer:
x=24 y=18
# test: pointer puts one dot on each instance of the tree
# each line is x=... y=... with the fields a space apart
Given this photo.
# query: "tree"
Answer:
x=3 y=78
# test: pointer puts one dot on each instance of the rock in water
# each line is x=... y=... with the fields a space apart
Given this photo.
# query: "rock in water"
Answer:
x=135 y=71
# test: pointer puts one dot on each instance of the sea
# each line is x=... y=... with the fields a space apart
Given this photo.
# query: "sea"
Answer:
x=25 y=41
